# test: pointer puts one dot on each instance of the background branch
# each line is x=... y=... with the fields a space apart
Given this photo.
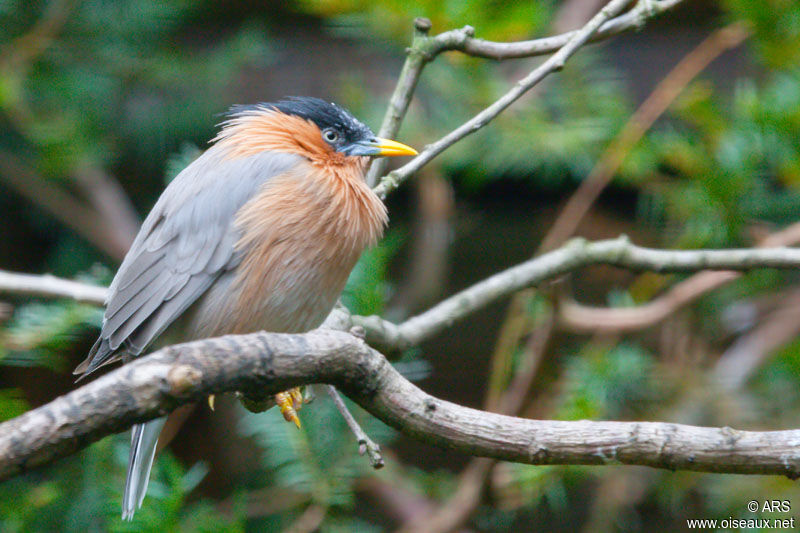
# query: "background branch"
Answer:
x=48 y=286
x=633 y=19
x=555 y=62
x=264 y=362
x=653 y=107
x=63 y=206
x=576 y=254
x=424 y=49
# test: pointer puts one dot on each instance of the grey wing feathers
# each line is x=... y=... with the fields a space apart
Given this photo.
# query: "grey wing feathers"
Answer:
x=186 y=242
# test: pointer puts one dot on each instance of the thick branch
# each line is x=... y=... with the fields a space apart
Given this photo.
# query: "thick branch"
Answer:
x=266 y=363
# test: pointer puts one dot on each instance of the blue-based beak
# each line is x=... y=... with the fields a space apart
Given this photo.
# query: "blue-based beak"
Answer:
x=379 y=147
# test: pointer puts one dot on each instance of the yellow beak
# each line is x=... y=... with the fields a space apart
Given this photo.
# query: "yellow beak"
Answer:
x=376 y=147
x=389 y=147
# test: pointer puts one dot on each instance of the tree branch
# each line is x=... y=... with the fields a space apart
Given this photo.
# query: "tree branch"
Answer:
x=463 y=41
x=667 y=90
x=555 y=62
x=51 y=287
x=584 y=318
x=424 y=49
x=53 y=198
x=271 y=362
x=415 y=61
x=578 y=253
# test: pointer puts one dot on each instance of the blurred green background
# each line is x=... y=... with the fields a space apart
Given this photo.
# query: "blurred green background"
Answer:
x=102 y=102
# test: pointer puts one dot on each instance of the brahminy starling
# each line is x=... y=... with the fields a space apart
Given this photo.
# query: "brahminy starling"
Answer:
x=260 y=232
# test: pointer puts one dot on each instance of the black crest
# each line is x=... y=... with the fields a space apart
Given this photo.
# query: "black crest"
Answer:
x=323 y=114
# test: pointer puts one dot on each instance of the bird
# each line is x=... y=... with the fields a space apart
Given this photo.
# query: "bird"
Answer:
x=260 y=232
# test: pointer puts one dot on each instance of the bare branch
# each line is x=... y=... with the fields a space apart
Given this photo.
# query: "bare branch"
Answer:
x=403 y=91
x=750 y=351
x=425 y=49
x=634 y=19
x=645 y=116
x=271 y=362
x=583 y=318
x=589 y=319
x=49 y=286
x=62 y=205
x=555 y=62
x=578 y=253
x=365 y=444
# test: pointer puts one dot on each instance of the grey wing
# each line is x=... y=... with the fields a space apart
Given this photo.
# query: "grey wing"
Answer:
x=187 y=241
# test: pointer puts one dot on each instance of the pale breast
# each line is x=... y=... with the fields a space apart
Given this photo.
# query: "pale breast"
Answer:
x=301 y=235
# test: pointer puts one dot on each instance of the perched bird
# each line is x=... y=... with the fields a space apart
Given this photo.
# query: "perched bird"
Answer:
x=260 y=232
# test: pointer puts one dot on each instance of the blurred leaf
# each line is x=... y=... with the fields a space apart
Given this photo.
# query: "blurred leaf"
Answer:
x=366 y=289
x=607 y=383
x=38 y=333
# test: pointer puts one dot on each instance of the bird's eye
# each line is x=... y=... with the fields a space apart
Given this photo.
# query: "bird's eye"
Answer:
x=331 y=135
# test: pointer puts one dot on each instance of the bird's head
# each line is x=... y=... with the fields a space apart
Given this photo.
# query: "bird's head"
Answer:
x=321 y=131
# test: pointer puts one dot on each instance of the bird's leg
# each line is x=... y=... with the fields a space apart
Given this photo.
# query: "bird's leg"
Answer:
x=289 y=402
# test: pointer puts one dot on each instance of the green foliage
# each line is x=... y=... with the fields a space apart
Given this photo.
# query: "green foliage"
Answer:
x=319 y=462
x=546 y=140
x=729 y=164
x=109 y=79
x=39 y=333
x=606 y=383
x=392 y=18
x=776 y=24
x=83 y=493
x=367 y=289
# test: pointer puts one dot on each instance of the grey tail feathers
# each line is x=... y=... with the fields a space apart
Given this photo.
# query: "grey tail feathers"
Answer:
x=144 y=438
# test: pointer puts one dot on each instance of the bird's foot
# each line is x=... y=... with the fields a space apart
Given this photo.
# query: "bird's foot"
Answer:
x=289 y=403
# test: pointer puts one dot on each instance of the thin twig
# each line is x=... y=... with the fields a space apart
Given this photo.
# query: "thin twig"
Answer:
x=403 y=91
x=576 y=254
x=653 y=107
x=365 y=444
x=583 y=318
x=555 y=62
x=424 y=49
x=634 y=19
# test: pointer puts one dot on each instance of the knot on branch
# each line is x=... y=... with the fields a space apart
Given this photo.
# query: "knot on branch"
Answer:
x=422 y=25
x=183 y=379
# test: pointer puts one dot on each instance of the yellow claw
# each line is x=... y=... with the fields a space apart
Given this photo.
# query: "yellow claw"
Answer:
x=286 y=403
x=211 y=402
x=297 y=397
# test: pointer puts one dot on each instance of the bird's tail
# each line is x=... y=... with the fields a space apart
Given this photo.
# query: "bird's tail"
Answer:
x=143 y=448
